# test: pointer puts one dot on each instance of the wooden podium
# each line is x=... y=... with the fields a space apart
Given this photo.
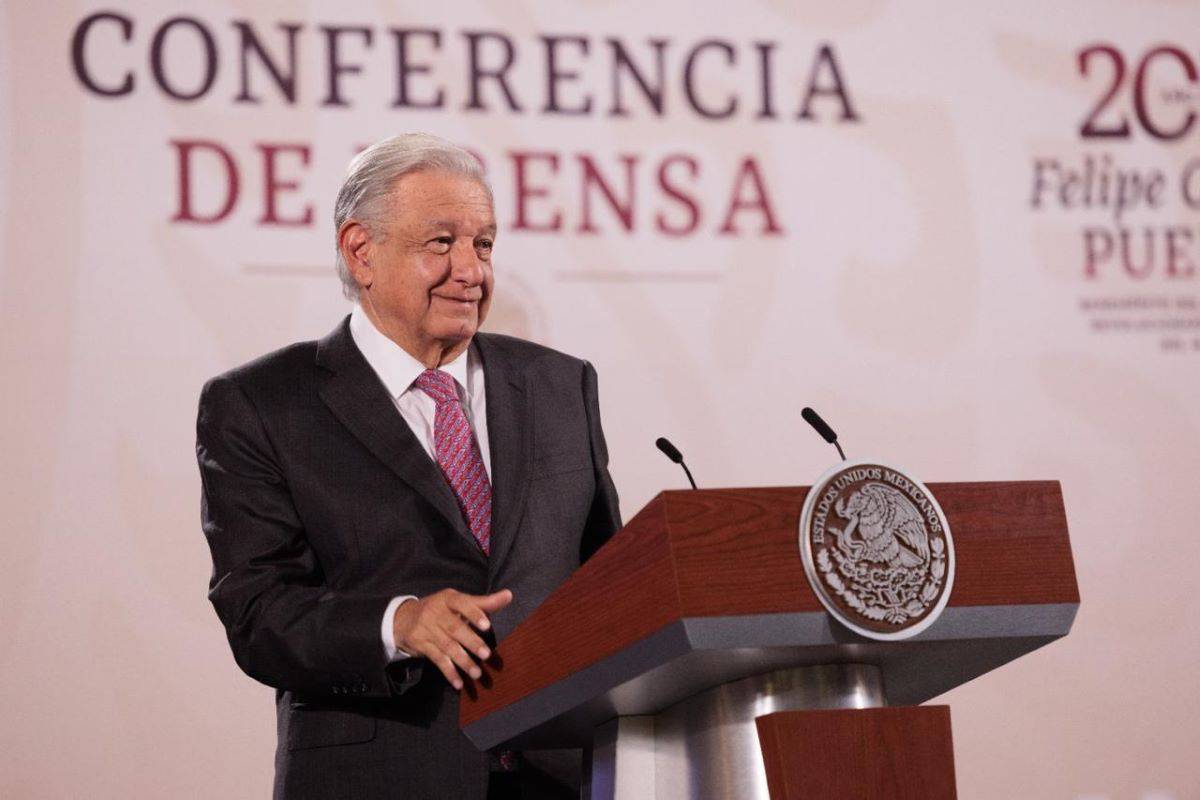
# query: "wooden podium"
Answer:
x=691 y=658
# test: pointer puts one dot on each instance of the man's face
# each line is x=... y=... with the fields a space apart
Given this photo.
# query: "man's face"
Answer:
x=432 y=271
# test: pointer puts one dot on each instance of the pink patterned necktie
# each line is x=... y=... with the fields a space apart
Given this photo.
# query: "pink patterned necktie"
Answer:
x=458 y=455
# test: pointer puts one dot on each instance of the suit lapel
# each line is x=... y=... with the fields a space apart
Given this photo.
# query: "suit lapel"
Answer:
x=359 y=400
x=509 y=417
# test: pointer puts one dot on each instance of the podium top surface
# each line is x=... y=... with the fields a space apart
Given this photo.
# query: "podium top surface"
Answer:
x=703 y=587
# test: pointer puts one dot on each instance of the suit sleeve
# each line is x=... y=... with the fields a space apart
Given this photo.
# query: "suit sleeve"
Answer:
x=604 y=519
x=286 y=627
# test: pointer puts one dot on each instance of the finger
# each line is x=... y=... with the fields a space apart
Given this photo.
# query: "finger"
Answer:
x=492 y=603
x=446 y=665
x=467 y=606
x=462 y=659
x=464 y=634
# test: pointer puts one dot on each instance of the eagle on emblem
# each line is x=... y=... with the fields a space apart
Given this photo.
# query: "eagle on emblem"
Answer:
x=889 y=527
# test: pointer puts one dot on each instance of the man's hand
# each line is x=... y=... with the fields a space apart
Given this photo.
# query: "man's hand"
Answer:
x=441 y=627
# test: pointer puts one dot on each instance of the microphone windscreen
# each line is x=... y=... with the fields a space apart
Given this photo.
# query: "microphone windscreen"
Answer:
x=668 y=450
x=814 y=419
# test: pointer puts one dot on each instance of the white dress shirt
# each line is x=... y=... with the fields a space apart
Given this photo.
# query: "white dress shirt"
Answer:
x=398 y=370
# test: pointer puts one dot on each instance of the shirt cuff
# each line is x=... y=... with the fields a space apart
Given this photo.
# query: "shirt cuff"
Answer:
x=388 y=631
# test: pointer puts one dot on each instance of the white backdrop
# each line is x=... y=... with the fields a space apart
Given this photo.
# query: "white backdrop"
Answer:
x=914 y=259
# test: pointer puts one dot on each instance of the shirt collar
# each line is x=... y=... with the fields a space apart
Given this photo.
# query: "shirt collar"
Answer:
x=392 y=363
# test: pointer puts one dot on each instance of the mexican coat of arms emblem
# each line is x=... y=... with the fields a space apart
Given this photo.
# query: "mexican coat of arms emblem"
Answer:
x=877 y=550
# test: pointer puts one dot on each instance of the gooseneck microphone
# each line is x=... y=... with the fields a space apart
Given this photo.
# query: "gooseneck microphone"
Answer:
x=819 y=425
x=672 y=452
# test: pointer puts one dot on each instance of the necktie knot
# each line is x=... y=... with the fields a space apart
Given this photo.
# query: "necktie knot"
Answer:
x=438 y=385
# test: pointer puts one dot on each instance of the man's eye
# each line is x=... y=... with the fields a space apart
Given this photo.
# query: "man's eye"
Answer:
x=441 y=244
x=484 y=245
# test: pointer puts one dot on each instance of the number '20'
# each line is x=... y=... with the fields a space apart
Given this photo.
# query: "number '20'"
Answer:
x=1117 y=126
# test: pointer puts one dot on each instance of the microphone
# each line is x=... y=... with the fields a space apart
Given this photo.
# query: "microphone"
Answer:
x=819 y=425
x=672 y=452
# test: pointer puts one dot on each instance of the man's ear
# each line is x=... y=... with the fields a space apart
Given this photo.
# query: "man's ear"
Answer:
x=354 y=242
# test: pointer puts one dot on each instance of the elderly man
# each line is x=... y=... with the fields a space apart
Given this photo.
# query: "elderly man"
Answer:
x=385 y=504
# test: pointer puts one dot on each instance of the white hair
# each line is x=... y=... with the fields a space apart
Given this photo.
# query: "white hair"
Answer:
x=372 y=176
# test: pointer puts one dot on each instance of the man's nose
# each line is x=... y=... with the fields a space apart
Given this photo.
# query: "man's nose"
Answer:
x=465 y=264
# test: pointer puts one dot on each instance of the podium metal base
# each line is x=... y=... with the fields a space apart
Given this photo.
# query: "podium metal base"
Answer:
x=706 y=747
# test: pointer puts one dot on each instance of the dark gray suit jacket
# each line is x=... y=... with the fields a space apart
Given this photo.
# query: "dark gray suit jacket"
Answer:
x=320 y=505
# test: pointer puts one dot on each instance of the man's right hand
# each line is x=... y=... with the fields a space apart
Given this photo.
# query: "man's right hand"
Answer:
x=441 y=627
